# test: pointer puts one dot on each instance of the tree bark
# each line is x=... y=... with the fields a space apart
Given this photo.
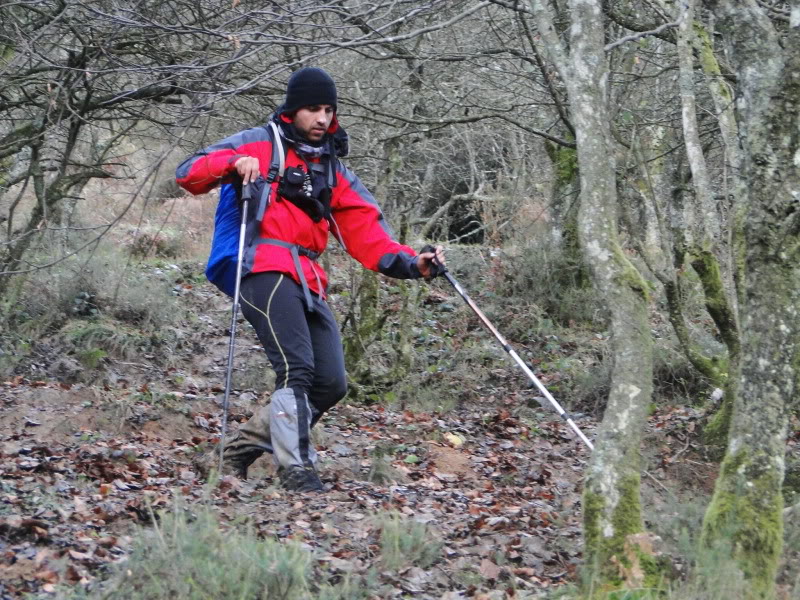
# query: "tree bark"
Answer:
x=611 y=500
x=564 y=206
x=745 y=514
x=706 y=244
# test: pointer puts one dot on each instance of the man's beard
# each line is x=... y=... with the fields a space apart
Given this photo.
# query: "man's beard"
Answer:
x=302 y=144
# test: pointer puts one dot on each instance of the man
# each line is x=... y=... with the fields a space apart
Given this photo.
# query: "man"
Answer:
x=283 y=287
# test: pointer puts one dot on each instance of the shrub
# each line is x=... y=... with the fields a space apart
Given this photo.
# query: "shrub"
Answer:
x=674 y=376
x=380 y=470
x=164 y=243
x=546 y=277
x=189 y=557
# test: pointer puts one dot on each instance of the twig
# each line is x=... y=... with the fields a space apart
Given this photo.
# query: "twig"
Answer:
x=681 y=451
x=635 y=36
x=663 y=487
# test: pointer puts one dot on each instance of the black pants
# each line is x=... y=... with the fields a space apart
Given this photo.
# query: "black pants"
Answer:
x=304 y=348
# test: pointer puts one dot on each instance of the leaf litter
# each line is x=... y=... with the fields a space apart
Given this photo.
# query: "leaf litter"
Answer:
x=503 y=503
x=81 y=466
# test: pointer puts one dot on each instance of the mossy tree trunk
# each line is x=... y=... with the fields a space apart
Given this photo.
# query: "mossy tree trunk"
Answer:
x=612 y=507
x=693 y=237
x=703 y=245
x=745 y=514
x=564 y=207
x=365 y=324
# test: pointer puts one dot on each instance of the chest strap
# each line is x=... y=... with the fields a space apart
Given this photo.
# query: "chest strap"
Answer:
x=297 y=251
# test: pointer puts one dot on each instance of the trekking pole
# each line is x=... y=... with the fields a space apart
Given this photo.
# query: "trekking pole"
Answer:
x=564 y=415
x=234 y=314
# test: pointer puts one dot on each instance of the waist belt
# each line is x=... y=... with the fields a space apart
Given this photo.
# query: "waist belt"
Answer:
x=297 y=251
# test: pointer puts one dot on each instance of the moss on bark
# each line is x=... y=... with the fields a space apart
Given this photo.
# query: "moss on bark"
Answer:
x=707 y=59
x=5 y=165
x=791 y=481
x=746 y=512
x=610 y=552
x=366 y=321
x=630 y=276
x=564 y=207
x=565 y=163
x=716 y=431
x=714 y=368
x=717 y=301
x=721 y=308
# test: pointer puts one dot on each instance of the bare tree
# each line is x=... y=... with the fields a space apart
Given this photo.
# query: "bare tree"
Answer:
x=745 y=514
x=79 y=76
x=611 y=502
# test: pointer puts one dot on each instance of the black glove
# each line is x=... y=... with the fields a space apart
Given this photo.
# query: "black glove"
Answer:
x=437 y=269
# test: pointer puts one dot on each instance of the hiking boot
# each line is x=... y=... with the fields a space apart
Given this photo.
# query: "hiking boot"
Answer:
x=242 y=448
x=236 y=465
x=300 y=479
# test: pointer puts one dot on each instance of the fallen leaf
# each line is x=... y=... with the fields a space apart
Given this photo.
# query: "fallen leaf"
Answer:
x=80 y=555
x=47 y=575
x=454 y=439
x=489 y=570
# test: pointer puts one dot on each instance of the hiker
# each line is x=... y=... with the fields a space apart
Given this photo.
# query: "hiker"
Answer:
x=300 y=195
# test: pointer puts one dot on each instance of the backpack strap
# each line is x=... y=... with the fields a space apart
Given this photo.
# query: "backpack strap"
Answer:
x=332 y=162
x=297 y=251
x=276 y=168
x=278 y=164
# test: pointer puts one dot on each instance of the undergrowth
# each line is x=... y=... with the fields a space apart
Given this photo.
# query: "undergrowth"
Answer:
x=406 y=543
x=188 y=553
x=106 y=306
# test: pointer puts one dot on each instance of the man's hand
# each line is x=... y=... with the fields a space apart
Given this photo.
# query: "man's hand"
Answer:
x=430 y=261
x=248 y=169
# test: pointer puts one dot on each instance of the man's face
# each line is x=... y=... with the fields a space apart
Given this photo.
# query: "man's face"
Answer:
x=313 y=121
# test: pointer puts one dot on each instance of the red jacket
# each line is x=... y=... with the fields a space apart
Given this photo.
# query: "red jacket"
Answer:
x=356 y=218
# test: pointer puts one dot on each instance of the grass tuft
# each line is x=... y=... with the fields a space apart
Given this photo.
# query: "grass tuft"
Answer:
x=406 y=543
x=188 y=556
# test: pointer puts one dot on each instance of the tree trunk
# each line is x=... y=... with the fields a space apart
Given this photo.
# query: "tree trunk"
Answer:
x=564 y=206
x=706 y=245
x=611 y=500
x=745 y=514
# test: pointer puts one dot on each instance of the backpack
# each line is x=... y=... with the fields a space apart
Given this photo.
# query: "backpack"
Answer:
x=224 y=256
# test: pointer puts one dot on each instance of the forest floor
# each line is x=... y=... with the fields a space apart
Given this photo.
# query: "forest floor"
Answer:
x=496 y=485
x=102 y=417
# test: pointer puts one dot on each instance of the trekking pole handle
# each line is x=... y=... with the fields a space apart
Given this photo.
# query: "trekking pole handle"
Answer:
x=511 y=352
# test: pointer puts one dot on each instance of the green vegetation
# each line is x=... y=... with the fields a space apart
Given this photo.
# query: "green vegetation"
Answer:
x=380 y=470
x=93 y=312
x=744 y=519
x=405 y=542
x=187 y=555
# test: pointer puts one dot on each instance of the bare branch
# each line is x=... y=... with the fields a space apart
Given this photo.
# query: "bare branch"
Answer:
x=637 y=36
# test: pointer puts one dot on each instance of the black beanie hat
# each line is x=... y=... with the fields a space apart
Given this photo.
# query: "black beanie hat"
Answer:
x=308 y=86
